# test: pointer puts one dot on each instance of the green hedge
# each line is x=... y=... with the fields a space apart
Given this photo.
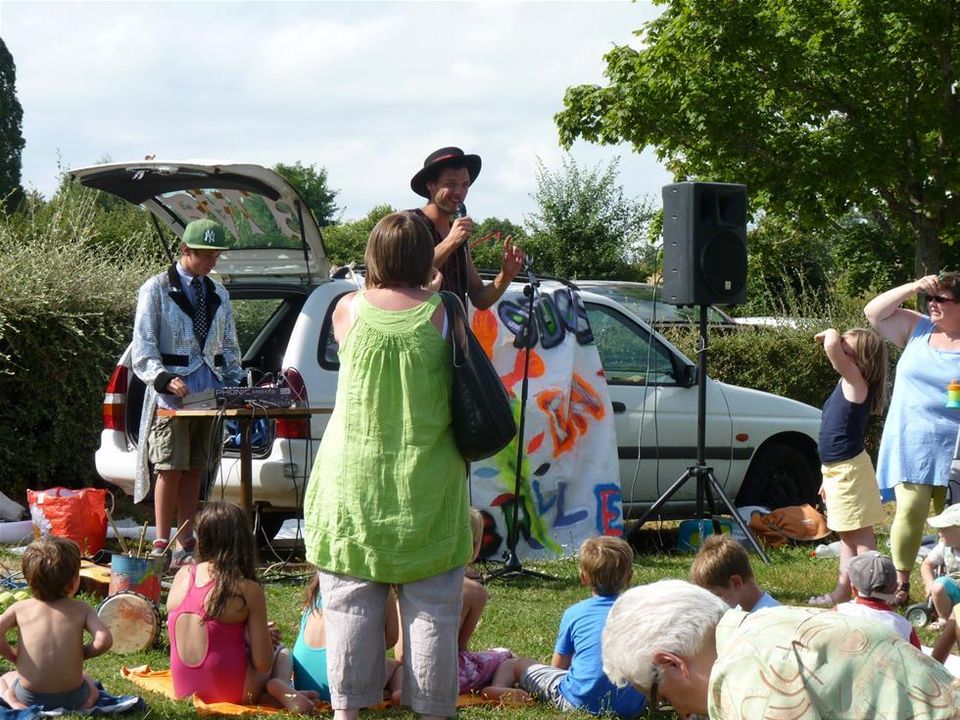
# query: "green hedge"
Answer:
x=780 y=360
x=67 y=295
x=66 y=310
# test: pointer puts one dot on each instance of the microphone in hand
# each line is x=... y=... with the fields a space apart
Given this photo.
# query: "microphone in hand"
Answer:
x=461 y=211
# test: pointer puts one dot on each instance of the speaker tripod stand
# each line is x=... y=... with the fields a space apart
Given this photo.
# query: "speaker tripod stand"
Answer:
x=512 y=564
x=708 y=488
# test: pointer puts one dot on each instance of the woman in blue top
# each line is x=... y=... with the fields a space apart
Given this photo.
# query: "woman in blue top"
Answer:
x=919 y=433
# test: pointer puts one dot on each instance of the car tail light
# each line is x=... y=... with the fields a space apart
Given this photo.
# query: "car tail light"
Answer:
x=115 y=400
x=292 y=379
x=298 y=428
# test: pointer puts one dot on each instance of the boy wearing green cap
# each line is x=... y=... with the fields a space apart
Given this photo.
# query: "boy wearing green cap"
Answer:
x=184 y=341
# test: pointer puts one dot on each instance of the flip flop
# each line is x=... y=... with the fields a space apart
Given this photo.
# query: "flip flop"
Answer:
x=822 y=601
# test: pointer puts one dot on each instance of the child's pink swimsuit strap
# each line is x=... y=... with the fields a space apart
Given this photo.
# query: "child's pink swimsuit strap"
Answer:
x=220 y=675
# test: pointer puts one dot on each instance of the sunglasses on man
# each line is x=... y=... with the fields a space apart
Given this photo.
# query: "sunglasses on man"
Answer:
x=939 y=299
x=656 y=707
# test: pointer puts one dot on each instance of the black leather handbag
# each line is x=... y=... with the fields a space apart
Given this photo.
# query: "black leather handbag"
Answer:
x=483 y=421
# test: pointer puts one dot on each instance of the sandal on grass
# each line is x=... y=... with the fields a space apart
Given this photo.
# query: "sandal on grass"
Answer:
x=901 y=596
x=822 y=601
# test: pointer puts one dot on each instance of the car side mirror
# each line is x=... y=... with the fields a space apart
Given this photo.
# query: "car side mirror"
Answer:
x=688 y=375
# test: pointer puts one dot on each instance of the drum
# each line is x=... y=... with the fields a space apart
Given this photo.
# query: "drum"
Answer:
x=133 y=621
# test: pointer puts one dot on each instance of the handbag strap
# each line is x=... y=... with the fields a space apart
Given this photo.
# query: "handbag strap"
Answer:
x=454 y=308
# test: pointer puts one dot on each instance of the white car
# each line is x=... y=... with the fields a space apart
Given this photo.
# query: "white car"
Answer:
x=646 y=302
x=762 y=447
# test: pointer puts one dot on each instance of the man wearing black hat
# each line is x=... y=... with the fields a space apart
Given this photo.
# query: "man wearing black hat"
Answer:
x=444 y=180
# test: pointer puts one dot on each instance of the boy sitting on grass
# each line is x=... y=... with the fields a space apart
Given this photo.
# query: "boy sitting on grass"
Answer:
x=575 y=679
x=50 y=653
x=722 y=566
x=873 y=576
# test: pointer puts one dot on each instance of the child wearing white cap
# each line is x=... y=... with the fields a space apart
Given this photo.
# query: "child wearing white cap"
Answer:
x=944 y=590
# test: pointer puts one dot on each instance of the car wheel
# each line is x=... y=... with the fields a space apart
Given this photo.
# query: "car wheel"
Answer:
x=779 y=476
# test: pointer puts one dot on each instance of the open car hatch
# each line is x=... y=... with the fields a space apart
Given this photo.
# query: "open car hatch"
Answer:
x=271 y=231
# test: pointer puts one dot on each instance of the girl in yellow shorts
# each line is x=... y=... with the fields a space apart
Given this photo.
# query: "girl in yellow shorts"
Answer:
x=849 y=484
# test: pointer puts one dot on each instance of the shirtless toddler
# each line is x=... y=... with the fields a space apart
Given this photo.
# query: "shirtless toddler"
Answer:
x=50 y=651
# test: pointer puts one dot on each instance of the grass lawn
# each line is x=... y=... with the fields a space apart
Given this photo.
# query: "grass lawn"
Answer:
x=523 y=614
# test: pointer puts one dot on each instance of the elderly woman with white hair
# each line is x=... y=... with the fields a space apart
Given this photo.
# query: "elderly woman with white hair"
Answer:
x=676 y=641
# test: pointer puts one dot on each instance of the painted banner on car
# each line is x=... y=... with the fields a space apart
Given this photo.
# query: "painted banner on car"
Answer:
x=569 y=474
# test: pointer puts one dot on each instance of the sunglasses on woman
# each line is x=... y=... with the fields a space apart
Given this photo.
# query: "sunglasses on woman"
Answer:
x=940 y=299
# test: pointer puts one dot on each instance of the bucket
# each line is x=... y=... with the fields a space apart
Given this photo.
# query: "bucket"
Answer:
x=140 y=574
x=691 y=532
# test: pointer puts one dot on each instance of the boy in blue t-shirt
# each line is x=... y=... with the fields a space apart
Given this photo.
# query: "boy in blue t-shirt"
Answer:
x=575 y=679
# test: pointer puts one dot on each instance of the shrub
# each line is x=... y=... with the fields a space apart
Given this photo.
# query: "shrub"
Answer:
x=784 y=359
x=66 y=313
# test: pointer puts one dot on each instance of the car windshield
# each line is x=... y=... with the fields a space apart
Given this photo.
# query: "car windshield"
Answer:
x=251 y=220
x=639 y=299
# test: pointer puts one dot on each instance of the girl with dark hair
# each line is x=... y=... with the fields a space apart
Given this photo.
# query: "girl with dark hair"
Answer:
x=221 y=646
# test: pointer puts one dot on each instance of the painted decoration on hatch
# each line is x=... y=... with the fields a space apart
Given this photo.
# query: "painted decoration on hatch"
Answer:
x=569 y=475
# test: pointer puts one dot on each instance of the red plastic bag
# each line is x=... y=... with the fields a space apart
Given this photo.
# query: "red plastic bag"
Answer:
x=80 y=515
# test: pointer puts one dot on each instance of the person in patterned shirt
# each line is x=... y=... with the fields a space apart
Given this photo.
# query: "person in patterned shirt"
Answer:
x=679 y=642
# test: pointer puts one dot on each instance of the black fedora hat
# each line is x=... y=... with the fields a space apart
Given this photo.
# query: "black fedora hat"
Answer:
x=439 y=159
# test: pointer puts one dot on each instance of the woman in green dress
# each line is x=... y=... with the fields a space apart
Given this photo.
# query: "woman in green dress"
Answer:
x=387 y=500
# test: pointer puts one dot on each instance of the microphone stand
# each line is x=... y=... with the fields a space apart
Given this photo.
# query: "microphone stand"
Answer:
x=512 y=564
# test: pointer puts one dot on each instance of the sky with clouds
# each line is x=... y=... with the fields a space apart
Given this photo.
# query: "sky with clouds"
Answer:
x=363 y=89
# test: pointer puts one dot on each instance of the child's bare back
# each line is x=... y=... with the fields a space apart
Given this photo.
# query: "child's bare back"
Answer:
x=50 y=652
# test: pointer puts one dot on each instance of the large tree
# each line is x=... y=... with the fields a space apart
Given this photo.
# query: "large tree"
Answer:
x=347 y=241
x=820 y=106
x=486 y=243
x=311 y=183
x=11 y=137
x=584 y=225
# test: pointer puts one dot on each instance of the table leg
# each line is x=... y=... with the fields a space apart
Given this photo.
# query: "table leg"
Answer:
x=246 y=467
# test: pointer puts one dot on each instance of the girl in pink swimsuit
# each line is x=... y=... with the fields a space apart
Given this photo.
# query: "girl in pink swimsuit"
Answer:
x=222 y=649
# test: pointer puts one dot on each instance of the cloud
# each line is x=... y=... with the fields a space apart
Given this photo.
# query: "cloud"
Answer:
x=365 y=90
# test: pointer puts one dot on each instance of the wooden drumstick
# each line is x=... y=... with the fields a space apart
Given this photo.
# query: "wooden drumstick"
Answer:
x=123 y=545
x=176 y=534
x=143 y=534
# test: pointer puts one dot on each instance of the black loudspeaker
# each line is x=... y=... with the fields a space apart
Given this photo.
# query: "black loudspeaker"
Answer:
x=704 y=243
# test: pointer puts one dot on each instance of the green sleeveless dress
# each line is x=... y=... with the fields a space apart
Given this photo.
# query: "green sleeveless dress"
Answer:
x=387 y=499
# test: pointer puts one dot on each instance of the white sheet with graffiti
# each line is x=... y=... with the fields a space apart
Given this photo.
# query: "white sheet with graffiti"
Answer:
x=570 y=483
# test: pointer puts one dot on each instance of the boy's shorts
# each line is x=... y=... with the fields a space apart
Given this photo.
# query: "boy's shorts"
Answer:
x=69 y=700
x=543 y=682
x=181 y=443
x=952 y=587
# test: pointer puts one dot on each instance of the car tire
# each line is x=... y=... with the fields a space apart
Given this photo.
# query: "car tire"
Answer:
x=779 y=475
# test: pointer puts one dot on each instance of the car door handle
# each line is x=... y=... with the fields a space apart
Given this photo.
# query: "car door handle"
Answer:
x=619 y=407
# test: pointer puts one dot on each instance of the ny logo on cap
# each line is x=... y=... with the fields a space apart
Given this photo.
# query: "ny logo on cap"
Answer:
x=210 y=237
